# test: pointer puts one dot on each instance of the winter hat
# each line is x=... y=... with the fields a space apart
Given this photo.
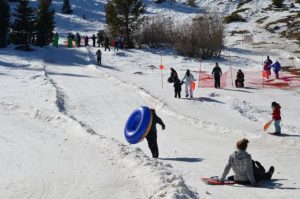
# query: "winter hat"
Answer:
x=274 y=104
x=242 y=144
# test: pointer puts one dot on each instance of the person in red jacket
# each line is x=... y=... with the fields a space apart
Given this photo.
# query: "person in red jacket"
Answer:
x=276 y=116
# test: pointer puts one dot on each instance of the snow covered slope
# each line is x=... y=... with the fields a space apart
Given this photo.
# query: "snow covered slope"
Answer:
x=62 y=117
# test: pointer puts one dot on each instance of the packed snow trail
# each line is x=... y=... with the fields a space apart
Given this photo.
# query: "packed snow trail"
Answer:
x=46 y=153
x=103 y=103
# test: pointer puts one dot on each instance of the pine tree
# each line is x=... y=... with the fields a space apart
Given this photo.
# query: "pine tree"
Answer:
x=23 y=26
x=4 y=21
x=44 y=23
x=124 y=17
x=66 y=9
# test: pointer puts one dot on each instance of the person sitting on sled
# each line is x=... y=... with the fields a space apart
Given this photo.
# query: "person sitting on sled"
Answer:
x=276 y=116
x=239 y=82
x=276 y=68
x=246 y=171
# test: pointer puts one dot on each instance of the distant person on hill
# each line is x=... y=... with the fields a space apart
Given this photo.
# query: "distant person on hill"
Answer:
x=177 y=87
x=173 y=76
x=94 y=40
x=55 y=40
x=276 y=116
x=188 y=79
x=99 y=56
x=217 y=73
x=246 y=171
x=276 y=68
x=152 y=135
x=116 y=45
x=106 y=44
x=77 y=40
x=267 y=67
x=86 y=40
x=70 y=41
x=239 y=82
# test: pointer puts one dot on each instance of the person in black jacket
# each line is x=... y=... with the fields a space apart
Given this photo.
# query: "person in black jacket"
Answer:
x=106 y=44
x=94 y=40
x=173 y=76
x=217 y=73
x=239 y=82
x=152 y=135
x=177 y=87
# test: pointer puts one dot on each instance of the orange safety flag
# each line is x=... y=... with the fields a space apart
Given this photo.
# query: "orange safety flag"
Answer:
x=193 y=85
x=264 y=73
x=267 y=125
x=161 y=67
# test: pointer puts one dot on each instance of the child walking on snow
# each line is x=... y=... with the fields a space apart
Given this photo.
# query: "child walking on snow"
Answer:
x=177 y=87
x=276 y=116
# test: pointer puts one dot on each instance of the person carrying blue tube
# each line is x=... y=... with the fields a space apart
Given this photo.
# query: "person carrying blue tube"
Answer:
x=152 y=135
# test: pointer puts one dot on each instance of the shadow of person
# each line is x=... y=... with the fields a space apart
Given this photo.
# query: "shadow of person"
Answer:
x=204 y=99
x=183 y=159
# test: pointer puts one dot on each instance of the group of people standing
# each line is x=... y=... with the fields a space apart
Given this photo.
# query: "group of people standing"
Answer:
x=188 y=80
x=268 y=65
x=79 y=38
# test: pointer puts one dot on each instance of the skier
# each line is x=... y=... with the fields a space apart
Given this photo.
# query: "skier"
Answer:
x=276 y=68
x=70 y=41
x=177 y=87
x=188 y=80
x=99 y=56
x=86 y=40
x=152 y=135
x=78 y=40
x=239 y=82
x=217 y=73
x=245 y=169
x=173 y=76
x=267 y=67
x=55 y=40
x=106 y=44
x=276 y=116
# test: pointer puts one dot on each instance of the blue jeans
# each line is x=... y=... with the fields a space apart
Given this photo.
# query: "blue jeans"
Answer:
x=277 y=126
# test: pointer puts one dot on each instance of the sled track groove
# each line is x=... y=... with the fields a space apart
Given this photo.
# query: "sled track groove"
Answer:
x=173 y=186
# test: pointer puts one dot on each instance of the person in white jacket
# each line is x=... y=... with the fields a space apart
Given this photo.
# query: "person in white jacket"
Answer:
x=188 y=79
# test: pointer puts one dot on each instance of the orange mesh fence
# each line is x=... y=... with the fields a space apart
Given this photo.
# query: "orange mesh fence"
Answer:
x=254 y=79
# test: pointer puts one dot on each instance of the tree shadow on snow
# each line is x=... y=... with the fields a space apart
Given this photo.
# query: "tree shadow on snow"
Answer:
x=108 y=67
x=69 y=74
x=183 y=159
x=204 y=99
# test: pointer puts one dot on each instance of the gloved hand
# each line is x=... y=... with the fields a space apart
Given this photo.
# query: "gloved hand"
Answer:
x=163 y=127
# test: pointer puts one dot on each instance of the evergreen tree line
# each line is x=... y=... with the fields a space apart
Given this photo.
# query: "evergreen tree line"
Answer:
x=30 y=26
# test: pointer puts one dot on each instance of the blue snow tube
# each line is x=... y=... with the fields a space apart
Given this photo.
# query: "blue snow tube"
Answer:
x=138 y=125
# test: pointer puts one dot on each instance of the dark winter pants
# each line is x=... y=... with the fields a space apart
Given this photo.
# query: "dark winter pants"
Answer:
x=239 y=83
x=178 y=94
x=106 y=47
x=217 y=82
x=259 y=173
x=152 y=143
x=99 y=61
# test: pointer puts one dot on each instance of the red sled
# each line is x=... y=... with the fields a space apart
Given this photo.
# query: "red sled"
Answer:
x=214 y=181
